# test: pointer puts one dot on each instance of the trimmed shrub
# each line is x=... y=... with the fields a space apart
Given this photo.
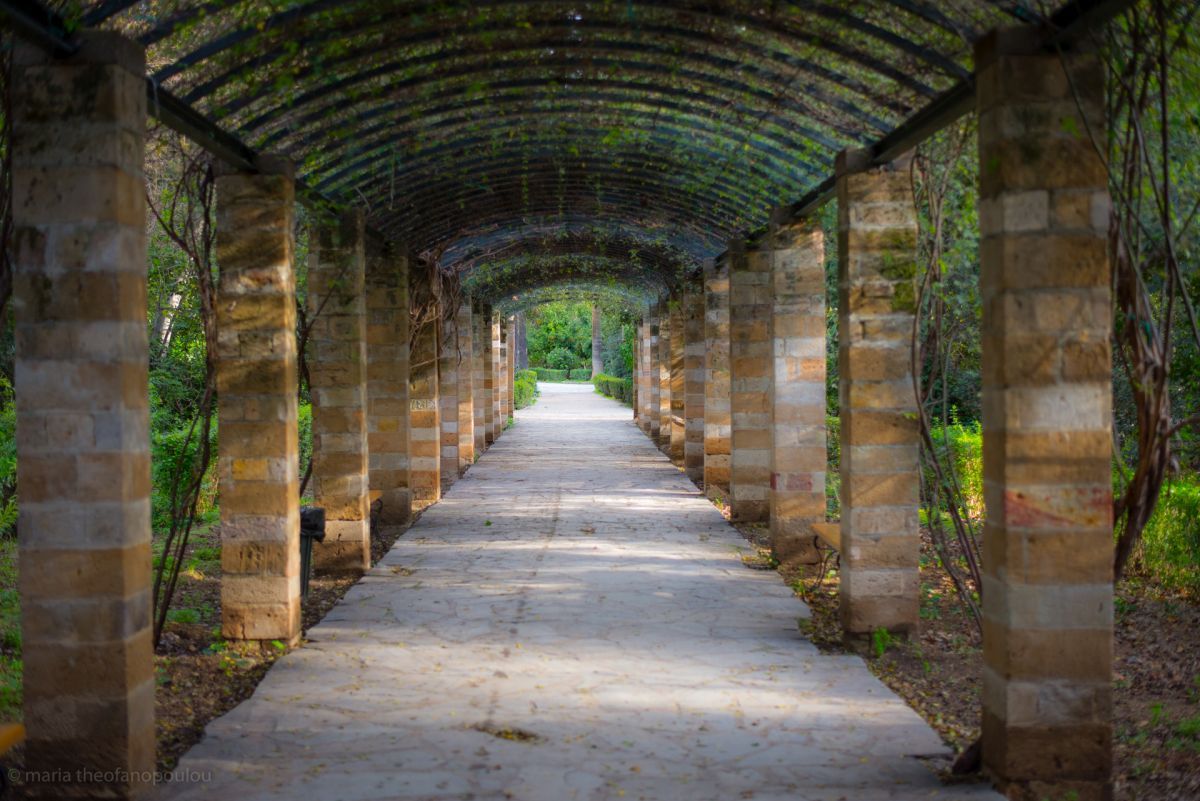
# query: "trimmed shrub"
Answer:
x=546 y=374
x=524 y=389
x=562 y=359
x=527 y=375
x=580 y=374
x=616 y=388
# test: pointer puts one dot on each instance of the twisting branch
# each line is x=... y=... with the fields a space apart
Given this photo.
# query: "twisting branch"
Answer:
x=185 y=214
x=934 y=172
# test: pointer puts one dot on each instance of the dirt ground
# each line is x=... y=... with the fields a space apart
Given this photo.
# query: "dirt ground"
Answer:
x=1156 y=671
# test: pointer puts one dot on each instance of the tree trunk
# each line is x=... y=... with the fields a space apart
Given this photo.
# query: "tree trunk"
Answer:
x=597 y=361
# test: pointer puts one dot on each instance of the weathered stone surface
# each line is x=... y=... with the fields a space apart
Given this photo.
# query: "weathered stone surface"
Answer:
x=717 y=424
x=876 y=295
x=665 y=334
x=424 y=437
x=497 y=377
x=258 y=440
x=449 y=386
x=83 y=446
x=1047 y=559
x=387 y=382
x=338 y=376
x=798 y=451
x=481 y=402
x=678 y=383
x=750 y=378
x=693 y=368
x=606 y=612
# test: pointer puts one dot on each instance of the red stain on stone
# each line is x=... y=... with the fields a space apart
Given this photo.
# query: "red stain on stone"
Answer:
x=1064 y=507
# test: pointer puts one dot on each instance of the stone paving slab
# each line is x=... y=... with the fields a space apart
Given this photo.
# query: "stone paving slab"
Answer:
x=575 y=594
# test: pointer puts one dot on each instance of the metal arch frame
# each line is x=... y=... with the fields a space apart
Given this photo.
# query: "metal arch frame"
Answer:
x=570 y=246
x=837 y=16
x=441 y=228
x=513 y=276
x=809 y=69
x=613 y=92
x=44 y=27
x=580 y=228
x=767 y=164
x=446 y=81
x=379 y=138
x=632 y=299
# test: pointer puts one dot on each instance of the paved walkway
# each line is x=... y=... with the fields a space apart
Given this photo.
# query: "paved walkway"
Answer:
x=572 y=621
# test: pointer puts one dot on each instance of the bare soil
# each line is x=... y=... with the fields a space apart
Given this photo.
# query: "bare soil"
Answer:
x=1156 y=670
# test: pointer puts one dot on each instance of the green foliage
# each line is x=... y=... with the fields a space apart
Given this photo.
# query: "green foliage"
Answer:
x=562 y=359
x=1171 y=541
x=616 y=388
x=833 y=470
x=546 y=374
x=175 y=451
x=961 y=446
x=881 y=640
x=304 y=423
x=8 y=458
x=580 y=374
x=524 y=389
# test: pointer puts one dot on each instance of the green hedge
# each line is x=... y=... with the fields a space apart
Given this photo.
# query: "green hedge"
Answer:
x=546 y=374
x=524 y=389
x=581 y=374
x=617 y=388
x=528 y=375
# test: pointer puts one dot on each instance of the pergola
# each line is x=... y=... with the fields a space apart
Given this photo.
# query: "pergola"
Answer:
x=672 y=151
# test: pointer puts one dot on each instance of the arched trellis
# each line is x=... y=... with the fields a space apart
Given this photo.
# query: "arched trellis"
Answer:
x=441 y=116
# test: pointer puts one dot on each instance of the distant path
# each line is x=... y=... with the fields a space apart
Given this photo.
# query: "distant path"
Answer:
x=574 y=588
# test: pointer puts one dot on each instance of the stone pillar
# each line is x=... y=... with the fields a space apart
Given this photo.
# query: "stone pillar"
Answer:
x=488 y=400
x=750 y=383
x=511 y=375
x=637 y=373
x=424 y=418
x=877 y=235
x=505 y=361
x=387 y=383
x=497 y=379
x=448 y=386
x=338 y=378
x=644 y=364
x=258 y=458
x=1047 y=416
x=717 y=424
x=82 y=398
x=665 y=333
x=798 y=447
x=480 y=402
x=693 y=368
x=466 y=395
x=653 y=370
x=678 y=383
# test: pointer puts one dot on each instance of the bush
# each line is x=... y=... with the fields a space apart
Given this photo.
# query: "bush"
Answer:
x=546 y=374
x=616 y=388
x=963 y=444
x=581 y=374
x=1171 y=540
x=526 y=375
x=562 y=359
x=524 y=390
x=172 y=453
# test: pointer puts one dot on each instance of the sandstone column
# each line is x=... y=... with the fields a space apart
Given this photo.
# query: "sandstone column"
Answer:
x=387 y=383
x=877 y=235
x=693 y=368
x=258 y=441
x=798 y=448
x=665 y=333
x=448 y=387
x=511 y=375
x=466 y=395
x=488 y=400
x=637 y=374
x=497 y=379
x=678 y=383
x=750 y=383
x=479 y=397
x=338 y=376
x=1047 y=412
x=717 y=425
x=424 y=419
x=653 y=378
x=83 y=466
x=505 y=381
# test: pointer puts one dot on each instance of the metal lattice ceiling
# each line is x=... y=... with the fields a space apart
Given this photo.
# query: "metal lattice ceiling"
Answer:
x=547 y=141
